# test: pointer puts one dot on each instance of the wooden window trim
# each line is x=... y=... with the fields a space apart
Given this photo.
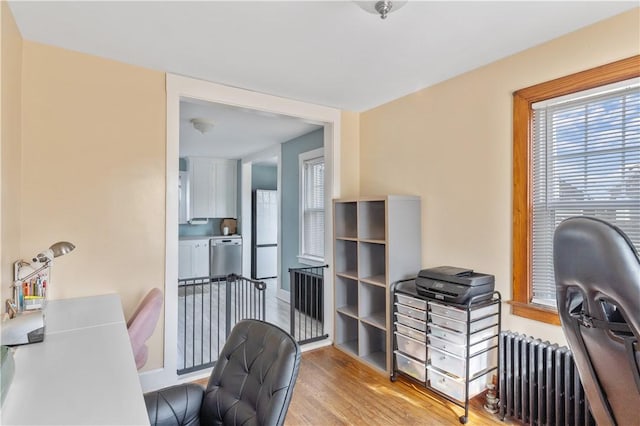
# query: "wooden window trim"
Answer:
x=522 y=194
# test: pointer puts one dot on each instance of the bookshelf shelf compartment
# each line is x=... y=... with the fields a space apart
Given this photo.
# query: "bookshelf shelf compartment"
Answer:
x=347 y=333
x=373 y=345
x=371 y=225
x=372 y=262
x=373 y=304
x=347 y=296
x=346 y=220
x=346 y=253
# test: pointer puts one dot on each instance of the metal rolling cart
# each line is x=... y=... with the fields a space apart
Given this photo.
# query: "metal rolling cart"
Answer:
x=450 y=349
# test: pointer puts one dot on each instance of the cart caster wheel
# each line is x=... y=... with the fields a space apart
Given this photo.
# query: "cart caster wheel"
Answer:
x=463 y=420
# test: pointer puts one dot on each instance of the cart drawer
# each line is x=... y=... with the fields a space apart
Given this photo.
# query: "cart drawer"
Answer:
x=461 y=350
x=411 y=347
x=461 y=326
x=412 y=301
x=407 y=365
x=460 y=338
x=411 y=322
x=456 y=365
x=411 y=332
x=412 y=312
x=455 y=387
x=461 y=314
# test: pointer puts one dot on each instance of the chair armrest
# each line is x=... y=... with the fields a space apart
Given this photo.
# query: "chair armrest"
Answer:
x=175 y=406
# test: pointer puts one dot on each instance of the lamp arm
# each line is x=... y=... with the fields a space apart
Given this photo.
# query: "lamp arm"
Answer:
x=34 y=273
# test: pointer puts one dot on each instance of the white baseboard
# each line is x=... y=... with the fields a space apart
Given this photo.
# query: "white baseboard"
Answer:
x=316 y=345
x=283 y=295
x=156 y=379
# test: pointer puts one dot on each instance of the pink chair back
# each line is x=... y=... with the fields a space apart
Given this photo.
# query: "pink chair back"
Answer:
x=142 y=323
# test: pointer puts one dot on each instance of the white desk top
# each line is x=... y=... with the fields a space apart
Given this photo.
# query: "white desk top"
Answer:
x=83 y=312
x=82 y=373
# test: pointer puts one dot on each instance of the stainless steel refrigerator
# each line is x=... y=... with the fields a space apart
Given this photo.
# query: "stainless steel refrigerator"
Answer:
x=264 y=262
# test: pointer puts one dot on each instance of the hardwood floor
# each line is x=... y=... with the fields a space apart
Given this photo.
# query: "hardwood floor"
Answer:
x=335 y=389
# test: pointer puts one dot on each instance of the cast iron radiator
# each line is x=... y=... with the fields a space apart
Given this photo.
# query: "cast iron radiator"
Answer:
x=307 y=303
x=539 y=383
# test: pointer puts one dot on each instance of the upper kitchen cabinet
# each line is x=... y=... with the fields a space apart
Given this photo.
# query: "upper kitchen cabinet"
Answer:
x=213 y=187
x=226 y=193
x=183 y=197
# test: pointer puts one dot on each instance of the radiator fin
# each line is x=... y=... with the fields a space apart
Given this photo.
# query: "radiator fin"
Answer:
x=539 y=383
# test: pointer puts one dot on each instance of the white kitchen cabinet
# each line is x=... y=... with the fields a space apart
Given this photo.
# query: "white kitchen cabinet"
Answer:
x=226 y=188
x=183 y=198
x=213 y=187
x=193 y=258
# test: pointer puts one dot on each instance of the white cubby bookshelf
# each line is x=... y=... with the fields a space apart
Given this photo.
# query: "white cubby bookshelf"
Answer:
x=377 y=241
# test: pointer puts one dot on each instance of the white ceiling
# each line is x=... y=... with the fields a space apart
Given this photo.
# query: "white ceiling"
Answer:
x=331 y=53
x=237 y=132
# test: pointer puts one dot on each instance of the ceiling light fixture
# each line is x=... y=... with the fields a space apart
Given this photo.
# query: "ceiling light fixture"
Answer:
x=382 y=7
x=202 y=125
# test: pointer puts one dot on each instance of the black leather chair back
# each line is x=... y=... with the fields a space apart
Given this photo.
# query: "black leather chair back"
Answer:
x=597 y=272
x=252 y=381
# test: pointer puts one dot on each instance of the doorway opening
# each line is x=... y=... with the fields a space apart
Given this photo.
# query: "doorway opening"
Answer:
x=184 y=87
x=224 y=151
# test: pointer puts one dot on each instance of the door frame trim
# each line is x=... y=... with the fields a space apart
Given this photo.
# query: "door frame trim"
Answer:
x=178 y=87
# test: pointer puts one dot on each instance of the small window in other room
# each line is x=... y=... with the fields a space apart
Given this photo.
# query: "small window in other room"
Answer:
x=312 y=207
x=576 y=153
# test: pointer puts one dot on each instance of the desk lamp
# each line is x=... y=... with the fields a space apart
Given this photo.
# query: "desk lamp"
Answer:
x=27 y=326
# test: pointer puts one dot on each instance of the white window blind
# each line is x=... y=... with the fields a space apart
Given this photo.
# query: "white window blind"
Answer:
x=586 y=161
x=313 y=209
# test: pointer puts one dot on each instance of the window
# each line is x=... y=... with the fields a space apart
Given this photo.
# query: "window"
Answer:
x=312 y=207
x=576 y=152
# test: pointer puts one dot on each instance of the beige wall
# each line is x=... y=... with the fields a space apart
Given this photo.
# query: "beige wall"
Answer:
x=10 y=129
x=349 y=154
x=93 y=133
x=451 y=145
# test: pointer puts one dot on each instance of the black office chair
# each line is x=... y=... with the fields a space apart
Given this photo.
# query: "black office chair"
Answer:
x=597 y=273
x=251 y=383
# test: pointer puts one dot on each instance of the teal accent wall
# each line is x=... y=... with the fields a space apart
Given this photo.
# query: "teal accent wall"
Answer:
x=264 y=177
x=290 y=195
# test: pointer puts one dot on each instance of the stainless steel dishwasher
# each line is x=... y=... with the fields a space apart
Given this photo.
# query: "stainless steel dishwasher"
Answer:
x=225 y=255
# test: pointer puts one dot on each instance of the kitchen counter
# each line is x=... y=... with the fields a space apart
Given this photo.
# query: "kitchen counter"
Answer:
x=195 y=237
x=206 y=237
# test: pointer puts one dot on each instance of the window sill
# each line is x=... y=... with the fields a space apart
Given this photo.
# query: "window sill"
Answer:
x=310 y=260
x=535 y=312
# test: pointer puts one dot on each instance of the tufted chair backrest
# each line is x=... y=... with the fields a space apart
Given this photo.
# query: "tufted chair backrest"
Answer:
x=252 y=381
x=597 y=273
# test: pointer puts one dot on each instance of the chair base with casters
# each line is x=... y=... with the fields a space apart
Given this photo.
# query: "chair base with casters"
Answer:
x=597 y=272
x=251 y=383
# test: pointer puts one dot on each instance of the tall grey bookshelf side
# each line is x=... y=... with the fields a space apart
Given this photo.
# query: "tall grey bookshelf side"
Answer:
x=377 y=241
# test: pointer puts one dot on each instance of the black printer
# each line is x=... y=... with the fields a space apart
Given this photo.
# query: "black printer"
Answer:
x=454 y=285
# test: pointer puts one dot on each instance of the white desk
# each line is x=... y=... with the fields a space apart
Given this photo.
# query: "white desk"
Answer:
x=82 y=373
